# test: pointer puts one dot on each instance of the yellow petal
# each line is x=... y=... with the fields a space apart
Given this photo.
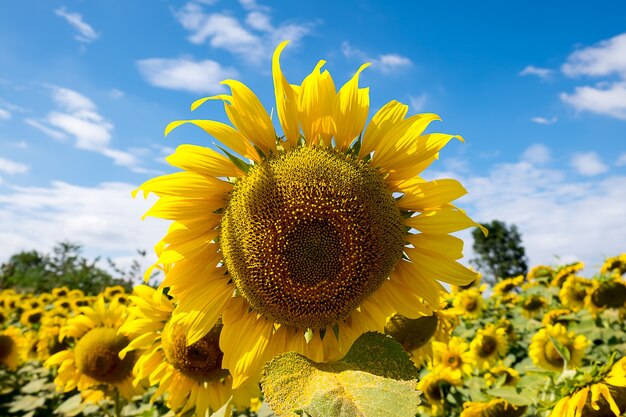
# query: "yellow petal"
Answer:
x=382 y=122
x=444 y=220
x=203 y=160
x=350 y=111
x=446 y=246
x=440 y=268
x=248 y=115
x=420 y=195
x=317 y=96
x=286 y=100
x=185 y=184
x=183 y=208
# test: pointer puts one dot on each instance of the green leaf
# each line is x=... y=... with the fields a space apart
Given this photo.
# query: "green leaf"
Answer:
x=376 y=378
x=239 y=163
x=563 y=351
x=511 y=395
x=225 y=410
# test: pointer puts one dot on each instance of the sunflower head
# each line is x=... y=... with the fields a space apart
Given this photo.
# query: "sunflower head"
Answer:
x=13 y=348
x=543 y=273
x=574 y=291
x=436 y=385
x=614 y=264
x=545 y=353
x=489 y=344
x=533 y=304
x=565 y=272
x=507 y=376
x=508 y=285
x=609 y=294
x=470 y=302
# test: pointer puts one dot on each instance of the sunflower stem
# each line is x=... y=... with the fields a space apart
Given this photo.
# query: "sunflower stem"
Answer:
x=118 y=404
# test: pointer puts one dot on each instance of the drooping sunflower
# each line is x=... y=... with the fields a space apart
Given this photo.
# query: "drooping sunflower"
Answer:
x=436 y=385
x=489 y=345
x=13 y=348
x=290 y=236
x=574 y=292
x=191 y=376
x=544 y=353
x=616 y=263
x=454 y=355
x=494 y=408
x=598 y=392
x=91 y=362
x=508 y=375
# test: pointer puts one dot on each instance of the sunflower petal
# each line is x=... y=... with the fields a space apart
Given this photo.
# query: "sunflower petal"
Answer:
x=286 y=100
x=350 y=111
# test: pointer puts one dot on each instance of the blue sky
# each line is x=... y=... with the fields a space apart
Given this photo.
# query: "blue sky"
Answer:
x=538 y=91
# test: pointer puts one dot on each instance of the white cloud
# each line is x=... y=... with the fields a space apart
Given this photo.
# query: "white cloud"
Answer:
x=10 y=167
x=621 y=160
x=539 y=72
x=556 y=216
x=4 y=114
x=418 y=103
x=106 y=219
x=608 y=99
x=76 y=116
x=543 y=120
x=185 y=74
x=86 y=33
x=253 y=40
x=115 y=93
x=605 y=58
x=385 y=63
x=588 y=163
x=536 y=154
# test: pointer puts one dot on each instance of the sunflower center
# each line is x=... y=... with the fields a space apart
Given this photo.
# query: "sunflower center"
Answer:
x=34 y=318
x=453 y=361
x=610 y=294
x=533 y=304
x=201 y=361
x=470 y=304
x=412 y=333
x=436 y=390
x=488 y=346
x=6 y=346
x=309 y=234
x=96 y=355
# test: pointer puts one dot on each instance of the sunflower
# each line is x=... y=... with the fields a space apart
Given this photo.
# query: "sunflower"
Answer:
x=418 y=335
x=540 y=272
x=508 y=375
x=13 y=348
x=607 y=386
x=565 y=272
x=454 y=355
x=436 y=385
x=555 y=316
x=192 y=376
x=574 y=292
x=470 y=302
x=92 y=363
x=545 y=354
x=489 y=344
x=494 y=408
x=315 y=230
x=507 y=285
x=532 y=305
x=606 y=293
x=60 y=292
x=616 y=263
x=32 y=318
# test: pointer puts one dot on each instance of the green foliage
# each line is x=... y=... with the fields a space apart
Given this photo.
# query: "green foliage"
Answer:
x=500 y=253
x=369 y=380
x=37 y=272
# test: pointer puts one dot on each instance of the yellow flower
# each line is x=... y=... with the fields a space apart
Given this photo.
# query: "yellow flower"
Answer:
x=489 y=344
x=544 y=353
x=533 y=305
x=511 y=376
x=494 y=408
x=553 y=317
x=92 y=364
x=435 y=387
x=566 y=271
x=470 y=302
x=191 y=376
x=13 y=348
x=540 y=272
x=418 y=335
x=60 y=292
x=616 y=263
x=32 y=318
x=602 y=395
x=454 y=355
x=507 y=285
x=112 y=292
x=605 y=294
x=305 y=235
x=574 y=292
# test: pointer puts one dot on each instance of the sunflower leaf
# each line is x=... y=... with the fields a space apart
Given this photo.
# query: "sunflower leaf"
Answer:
x=369 y=380
x=562 y=350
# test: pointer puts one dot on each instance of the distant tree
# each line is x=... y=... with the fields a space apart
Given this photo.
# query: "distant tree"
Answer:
x=36 y=272
x=500 y=254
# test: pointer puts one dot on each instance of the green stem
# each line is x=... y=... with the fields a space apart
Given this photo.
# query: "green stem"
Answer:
x=118 y=404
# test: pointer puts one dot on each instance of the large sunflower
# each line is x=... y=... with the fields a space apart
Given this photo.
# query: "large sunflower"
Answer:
x=309 y=239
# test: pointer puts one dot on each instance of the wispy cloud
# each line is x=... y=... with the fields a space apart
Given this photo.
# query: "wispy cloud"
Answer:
x=252 y=39
x=605 y=59
x=621 y=160
x=543 y=73
x=588 y=163
x=418 y=103
x=544 y=121
x=386 y=63
x=536 y=154
x=77 y=117
x=11 y=167
x=185 y=74
x=86 y=33
x=4 y=114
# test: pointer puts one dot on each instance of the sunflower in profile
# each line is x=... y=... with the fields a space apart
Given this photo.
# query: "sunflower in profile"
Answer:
x=565 y=272
x=454 y=355
x=436 y=385
x=598 y=392
x=470 y=302
x=494 y=408
x=574 y=292
x=91 y=362
x=489 y=345
x=558 y=315
x=508 y=285
x=13 y=348
x=540 y=273
x=614 y=264
x=191 y=376
x=508 y=376
x=545 y=354
x=417 y=336
x=329 y=226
